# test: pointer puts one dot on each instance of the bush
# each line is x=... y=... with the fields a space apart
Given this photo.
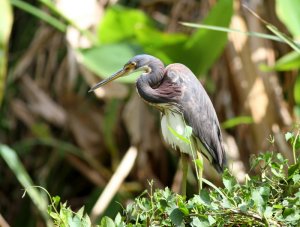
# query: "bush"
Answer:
x=271 y=198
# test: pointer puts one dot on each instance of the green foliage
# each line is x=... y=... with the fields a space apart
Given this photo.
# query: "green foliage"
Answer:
x=297 y=90
x=271 y=198
x=292 y=18
x=125 y=32
x=104 y=60
x=126 y=24
x=12 y=160
x=287 y=62
x=230 y=123
x=63 y=216
x=196 y=55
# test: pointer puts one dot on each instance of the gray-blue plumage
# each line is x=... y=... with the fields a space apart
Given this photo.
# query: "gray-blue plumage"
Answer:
x=182 y=100
x=176 y=89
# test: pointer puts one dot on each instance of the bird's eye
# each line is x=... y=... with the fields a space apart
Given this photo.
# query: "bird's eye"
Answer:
x=130 y=65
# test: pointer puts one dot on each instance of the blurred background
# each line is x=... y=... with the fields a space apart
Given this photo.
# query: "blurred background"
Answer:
x=57 y=135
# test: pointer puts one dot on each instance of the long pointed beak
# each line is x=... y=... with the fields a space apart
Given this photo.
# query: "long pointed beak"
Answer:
x=116 y=75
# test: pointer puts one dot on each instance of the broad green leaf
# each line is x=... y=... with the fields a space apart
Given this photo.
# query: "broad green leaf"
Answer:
x=204 y=197
x=120 y=23
x=166 y=46
x=176 y=217
x=288 y=136
x=79 y=213
x=296 y=178
x=118 y=219
x=107 y=222
x=211 y=220
x=289 y=13
x=258 y=200
x=297 y=90
x=205 y=46
x=228 y=181
x=233 y=122
x=6 y=19
x=199 y=221
x=268 y=212
x=105 y=60
x=288 y=62
x=12 y=160
x=86 y=221
x=243 y=207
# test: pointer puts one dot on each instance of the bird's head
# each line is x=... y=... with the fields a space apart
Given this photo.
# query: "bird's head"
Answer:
x=138 y=63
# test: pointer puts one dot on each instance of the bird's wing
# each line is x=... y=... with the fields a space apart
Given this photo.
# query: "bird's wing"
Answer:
x=200 y=114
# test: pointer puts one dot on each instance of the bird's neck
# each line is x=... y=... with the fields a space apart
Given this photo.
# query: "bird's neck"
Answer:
x=147 y=82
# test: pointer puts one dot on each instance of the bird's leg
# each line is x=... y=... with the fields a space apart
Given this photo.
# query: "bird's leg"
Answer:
x=184 y=166
x=200 y=166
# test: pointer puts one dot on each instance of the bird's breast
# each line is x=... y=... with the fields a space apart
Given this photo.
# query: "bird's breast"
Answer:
x=175 y=131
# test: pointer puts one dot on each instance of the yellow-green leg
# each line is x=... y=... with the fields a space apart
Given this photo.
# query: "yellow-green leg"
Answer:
x=184 y=166
x=200 y=166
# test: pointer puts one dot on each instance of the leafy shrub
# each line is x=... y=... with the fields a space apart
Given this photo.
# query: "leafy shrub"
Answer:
x=270 y=198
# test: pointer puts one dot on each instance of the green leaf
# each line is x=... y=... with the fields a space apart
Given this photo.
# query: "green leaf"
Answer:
x=118 y=219
x=200 y=222
x=181 y=137
x=297 y=90
x=288 y=62
x=105 y=60
x=288 y=136
x=107 y=222
x=182 y=207
x=86 y=221
x=289 y=13
x=204 y=197
x=277 y=206
x=205 y=46
x=120 y=23
x=199 y=163
x=296 y=178
x=257 y=198
x=260 y=197
x=211 y=220
x=228 y=182
x=233 y=122
x=79 y=213
x=55 y=200
x=176 y=217
x=268 y=212
x=12 y=160
x=293 y=169
x=243 y=207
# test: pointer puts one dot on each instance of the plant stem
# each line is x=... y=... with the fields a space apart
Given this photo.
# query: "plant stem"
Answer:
x=294 y=147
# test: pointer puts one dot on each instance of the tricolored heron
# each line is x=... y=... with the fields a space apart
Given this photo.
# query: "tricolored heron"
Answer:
x=189 y=121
